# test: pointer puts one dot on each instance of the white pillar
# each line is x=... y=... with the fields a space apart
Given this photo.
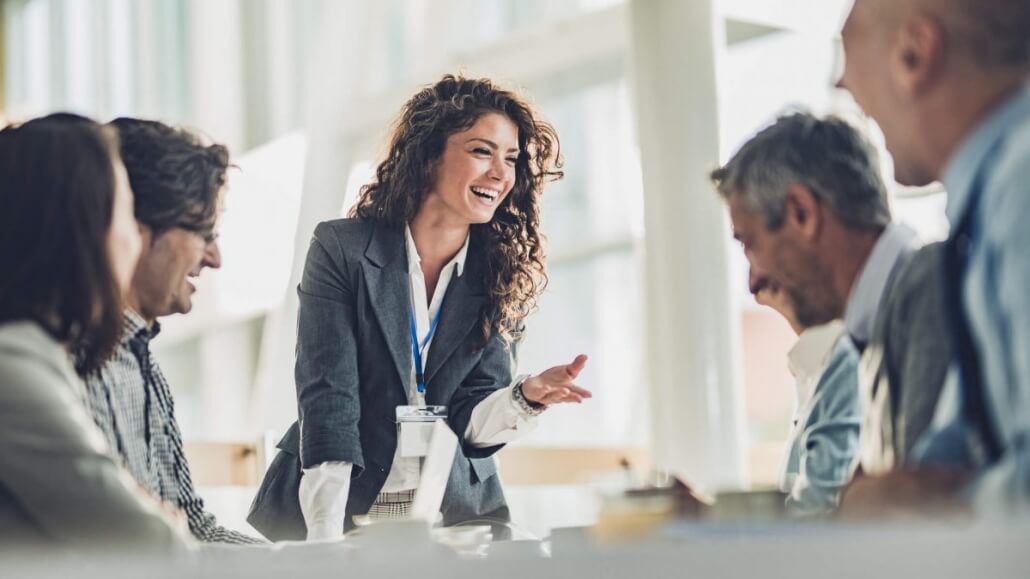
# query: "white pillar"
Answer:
x=340 y=45
x=693 y=336
x=282 y=75
x=215 y=68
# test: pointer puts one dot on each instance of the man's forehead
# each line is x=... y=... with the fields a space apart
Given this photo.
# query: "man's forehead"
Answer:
x=743 y=219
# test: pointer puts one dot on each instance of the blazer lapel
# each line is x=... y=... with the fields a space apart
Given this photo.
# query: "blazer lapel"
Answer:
x=388 y=289
x=460 y=312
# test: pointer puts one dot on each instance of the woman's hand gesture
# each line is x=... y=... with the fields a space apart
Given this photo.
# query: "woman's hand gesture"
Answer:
x=556 y=385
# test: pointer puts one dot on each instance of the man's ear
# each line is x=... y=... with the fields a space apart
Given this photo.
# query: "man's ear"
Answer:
x=803 y=212
x=919 y=54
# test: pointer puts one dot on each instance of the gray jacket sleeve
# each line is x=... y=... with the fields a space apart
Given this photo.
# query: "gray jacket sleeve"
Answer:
x=916 y=346
x=327 y=367
x=494 y=371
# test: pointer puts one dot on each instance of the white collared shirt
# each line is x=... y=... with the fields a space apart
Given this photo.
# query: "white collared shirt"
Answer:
x=867 y=293
x=496 y=420
x=807 y=359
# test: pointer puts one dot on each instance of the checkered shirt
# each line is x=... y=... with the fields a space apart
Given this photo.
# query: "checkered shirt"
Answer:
x=132 y=404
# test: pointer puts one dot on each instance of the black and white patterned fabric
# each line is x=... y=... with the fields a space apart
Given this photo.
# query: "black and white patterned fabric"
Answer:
x=392 y=505
x=132 y=404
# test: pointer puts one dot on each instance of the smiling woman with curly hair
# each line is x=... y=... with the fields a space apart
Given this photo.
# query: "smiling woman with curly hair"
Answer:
x=512 y=240
x=418 y=299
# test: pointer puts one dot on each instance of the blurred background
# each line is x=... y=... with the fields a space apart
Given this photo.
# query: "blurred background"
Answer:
x=689 y=374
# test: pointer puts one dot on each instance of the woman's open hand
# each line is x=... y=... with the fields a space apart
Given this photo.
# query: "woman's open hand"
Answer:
x=556 y=385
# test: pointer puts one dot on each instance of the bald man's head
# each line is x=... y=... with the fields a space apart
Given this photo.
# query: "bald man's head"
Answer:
x=992 y=33
x=995 y=33
x=926 y=70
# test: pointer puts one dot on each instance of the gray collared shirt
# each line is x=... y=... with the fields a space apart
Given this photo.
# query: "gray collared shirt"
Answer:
x=896 y=243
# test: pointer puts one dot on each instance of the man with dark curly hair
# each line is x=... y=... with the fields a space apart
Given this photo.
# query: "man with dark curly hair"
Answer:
x=178 y=181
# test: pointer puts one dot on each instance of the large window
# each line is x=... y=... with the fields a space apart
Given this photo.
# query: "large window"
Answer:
x=269 y=76
x=593 y=304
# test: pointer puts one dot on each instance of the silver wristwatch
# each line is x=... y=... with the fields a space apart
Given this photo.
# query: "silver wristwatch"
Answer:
x=525 y=405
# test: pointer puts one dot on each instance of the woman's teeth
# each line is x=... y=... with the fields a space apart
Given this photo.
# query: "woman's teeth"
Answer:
x=483 y=193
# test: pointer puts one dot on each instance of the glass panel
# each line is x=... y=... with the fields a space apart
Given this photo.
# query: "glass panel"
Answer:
x=593 y=303
x=35 y=94
x=599 y=202
x=485 y=22
x=79 y=58
x=592 y=306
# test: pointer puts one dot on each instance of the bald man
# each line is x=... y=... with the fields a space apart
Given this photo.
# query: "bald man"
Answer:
x=946 y=80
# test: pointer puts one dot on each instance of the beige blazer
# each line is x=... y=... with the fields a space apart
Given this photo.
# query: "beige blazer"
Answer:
x=59 y=485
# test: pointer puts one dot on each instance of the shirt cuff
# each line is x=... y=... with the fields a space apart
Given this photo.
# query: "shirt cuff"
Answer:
x=525 y=406
x=323 y=499
x=498 y=420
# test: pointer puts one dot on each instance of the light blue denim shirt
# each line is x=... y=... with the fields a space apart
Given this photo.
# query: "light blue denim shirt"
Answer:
x=995 y=294
x=824 y=441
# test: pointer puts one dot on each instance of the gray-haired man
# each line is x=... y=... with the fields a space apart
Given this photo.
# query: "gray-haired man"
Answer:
x=810 y=209
x=809 y=206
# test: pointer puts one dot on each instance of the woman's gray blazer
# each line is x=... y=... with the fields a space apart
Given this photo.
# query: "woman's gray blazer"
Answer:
x=352 y=371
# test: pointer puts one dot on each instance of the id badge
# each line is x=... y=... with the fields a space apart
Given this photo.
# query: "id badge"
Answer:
x=415 y=424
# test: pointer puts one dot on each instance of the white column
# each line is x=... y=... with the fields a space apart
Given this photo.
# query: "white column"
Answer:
x=215 y=68
x=341 y=46
x=693 y=336
x=428 y=27
x=281 y=75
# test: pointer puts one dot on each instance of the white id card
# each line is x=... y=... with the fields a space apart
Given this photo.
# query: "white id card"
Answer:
x=415 y=428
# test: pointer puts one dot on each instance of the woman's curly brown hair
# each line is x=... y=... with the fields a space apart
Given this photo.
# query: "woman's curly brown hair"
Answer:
x=515 y=260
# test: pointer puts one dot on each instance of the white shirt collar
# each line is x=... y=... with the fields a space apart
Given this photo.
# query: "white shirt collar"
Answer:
x=809 y=356
x=864 y=300
x=415 y=260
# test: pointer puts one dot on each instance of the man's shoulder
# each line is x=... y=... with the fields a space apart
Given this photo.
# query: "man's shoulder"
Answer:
x=26 y=338
x=1006 y=194
x=836 y=396
x=838 y=383
x=1014 y=155
x=121 y=367
x=920 y=273
x=1014 y=163
x=32 y=365
x=844 y=356
x=1010 y=171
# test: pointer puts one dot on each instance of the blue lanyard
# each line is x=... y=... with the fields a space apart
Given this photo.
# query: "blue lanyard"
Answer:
x=417 y=349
